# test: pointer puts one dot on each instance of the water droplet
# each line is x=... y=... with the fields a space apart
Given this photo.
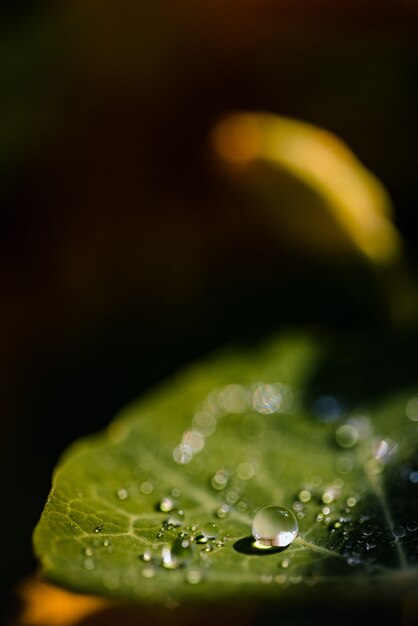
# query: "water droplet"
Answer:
x=413 y=477
x=176 y=518
x=344 y=464
x=412 y=409
x=194 y=576
x=106 y=543
x=316 y=481
x=245 y=470
x=267 y=399
x=166 y=505
x=205 y=422
x=179 y=553
x=367 y=530
x=147 y=487
x=384 y=449
x=89 y=564
x=223 y=511
x=98 y=528
x=175 y=492
x=285 y=563
x=242 y=506
x=122 y=494
x=346 y=436
x=351 y=501
x=210 y=530
x=220 y=479
x=148 y=571
x=88 y=551
x=280 y=579
x=182 y=454
x=329 y=495
x=275 y=526
x=194 y=440
x=305 y=495
x=147 y=556
x=412 y=526
x=399 y=532
x=233 y=399
x=266 y=579
x=232 y=496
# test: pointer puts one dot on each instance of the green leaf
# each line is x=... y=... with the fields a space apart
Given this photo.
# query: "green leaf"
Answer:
x=303 y=423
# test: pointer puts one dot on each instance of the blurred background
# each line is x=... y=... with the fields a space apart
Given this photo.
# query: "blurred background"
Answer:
x=127 y=246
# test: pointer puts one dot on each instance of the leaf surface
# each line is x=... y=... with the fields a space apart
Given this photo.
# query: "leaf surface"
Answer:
x=279 y=425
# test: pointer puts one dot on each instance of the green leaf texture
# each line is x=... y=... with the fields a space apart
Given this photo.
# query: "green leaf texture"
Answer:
x=292 y=424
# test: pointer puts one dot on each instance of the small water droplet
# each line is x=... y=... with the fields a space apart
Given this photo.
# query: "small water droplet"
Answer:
x=89 y=564
x=88 y=551
x=280 y=579
x=122 y=494
x=220 y=479
x=194 y=576
x=98 y=528
x=148 y=555
x=351 y=501
x=223 y=511
x=346 y=436
x=285 y=563
x=412 y=526
x=183 y=454
x=367 y=530
x=210 y=530
x=316 y=481
x=175 y=492
x=147 y=487
x=275 y=526
x=233 y=399
x=267 y=399
x=232 y=496
x=179 y=553
x=194 y=440
x=148 y=571
x=399 y=532
x=305 y=495
x=328 y=408
x=166 y=505
x=345 y=464
x=412 y=409
x=176 y=518
x=245 y=470
x=266 y=579
x=160 y=535
x=413 y=477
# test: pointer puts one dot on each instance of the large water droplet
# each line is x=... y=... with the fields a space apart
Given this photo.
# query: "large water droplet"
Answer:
x=275 y=526
x=179 y=553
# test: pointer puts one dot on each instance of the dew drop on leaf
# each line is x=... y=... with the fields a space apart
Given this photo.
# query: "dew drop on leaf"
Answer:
x=210 y=530
x=275 y=526
x=177 y=554
x=166 y=505
x=175 y=518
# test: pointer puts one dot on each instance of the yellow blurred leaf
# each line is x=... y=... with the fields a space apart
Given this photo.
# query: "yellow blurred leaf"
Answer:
x=47 y=605
x=312 y=180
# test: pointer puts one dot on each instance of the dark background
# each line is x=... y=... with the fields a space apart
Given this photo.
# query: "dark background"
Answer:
x=124 y=252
